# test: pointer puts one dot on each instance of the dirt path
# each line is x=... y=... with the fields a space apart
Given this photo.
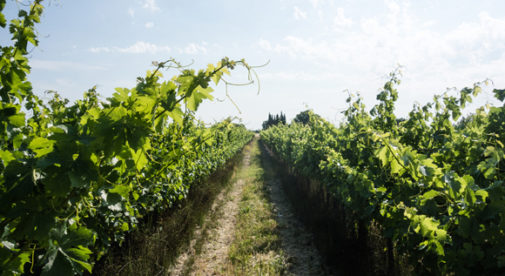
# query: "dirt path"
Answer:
x=208 y=249
x=215 y=252
x=289 y=244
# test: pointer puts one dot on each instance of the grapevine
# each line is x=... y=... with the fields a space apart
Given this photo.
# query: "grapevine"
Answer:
x=434 y=184
x=75 y=178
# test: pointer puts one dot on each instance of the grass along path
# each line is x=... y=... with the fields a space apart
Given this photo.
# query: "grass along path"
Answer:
x=257 y=247
x=251 y=229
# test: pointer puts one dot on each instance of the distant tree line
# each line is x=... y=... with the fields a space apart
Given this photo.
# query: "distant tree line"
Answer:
x=274 y=120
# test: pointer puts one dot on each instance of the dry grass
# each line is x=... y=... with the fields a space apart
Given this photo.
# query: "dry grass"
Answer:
x=257 y=248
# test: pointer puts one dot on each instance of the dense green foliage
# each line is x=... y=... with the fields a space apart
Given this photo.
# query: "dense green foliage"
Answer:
x=75 y=178
x=274 y=120
x=435 y=187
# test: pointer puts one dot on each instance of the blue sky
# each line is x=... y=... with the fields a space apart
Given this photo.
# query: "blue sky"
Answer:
x=317 y=49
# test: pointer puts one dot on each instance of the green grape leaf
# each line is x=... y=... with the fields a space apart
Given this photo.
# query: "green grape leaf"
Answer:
x=125 y=227
x=6 y=157
x=117 y=113
x=216 y=77
x=483 y=194
x=76 y=181
x=499 y=94
x=439 y=249
x=470 y=196
x=121 y=95
x=198 y=95
x=176 y=115
x=144 y=104
x=77 y=236
x=57 y=264
x=41 y=146
x=81 y=252
x=382 y=154
x=185 y=82
x=58 y=186
x=83 y=264
x=15 y=266
x=489 y=173
x=17 y=120
x=395 y=166
x=3 y=22
x=121 y=190
x=140 y=159
x=429 y=195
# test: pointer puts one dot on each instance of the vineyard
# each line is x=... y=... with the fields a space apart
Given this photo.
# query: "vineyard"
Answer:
x=425 y=193
x=432 y=183
x=76 y=178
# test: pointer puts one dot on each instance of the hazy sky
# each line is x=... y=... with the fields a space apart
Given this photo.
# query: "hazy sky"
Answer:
x=317 y=49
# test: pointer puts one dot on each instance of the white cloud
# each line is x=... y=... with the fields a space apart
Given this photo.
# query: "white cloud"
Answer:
x=151 y=5
x=299 y=14
x=194 y=48
x=140 y=47
x=265 y=44
x=100 y=49
x=56 y=65
x=149 y=25
x=131 y=12
x=315 y=3
x=433 y=58
x=388 y=40
x=340 y=20
x=486 y=35
x=301 y=76
x=299 y=47
x=393 y=6
x=322 y=7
